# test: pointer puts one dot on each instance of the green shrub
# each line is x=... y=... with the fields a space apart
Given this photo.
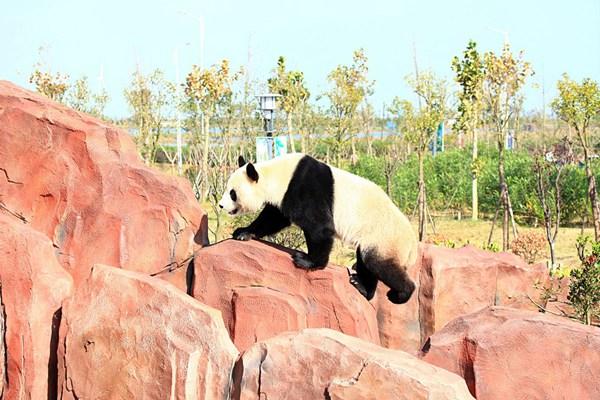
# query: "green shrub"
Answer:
x=584 y=289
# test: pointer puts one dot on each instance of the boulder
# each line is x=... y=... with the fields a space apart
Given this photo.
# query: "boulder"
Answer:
x=261 y=293
x=326 y=364
x=451 y=283
x=2 y=346
x=80 y=181
x=400 y=325
x=129 y=336
x=32 y=287
x=505 y=353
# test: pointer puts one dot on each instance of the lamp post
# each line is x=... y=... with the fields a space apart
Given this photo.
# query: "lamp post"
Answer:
x=268 y=104
x=265 y=145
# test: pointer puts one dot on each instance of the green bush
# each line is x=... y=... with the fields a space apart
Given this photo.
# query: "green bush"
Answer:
x=584 y=289
x=370 y=168
x=448 y=182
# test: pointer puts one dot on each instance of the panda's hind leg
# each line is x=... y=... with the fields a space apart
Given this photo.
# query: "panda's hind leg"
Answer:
x=388 y=271
x=363 y=279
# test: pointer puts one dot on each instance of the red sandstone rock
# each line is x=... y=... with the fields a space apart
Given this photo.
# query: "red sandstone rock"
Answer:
x=325 y=364
x=32 y=288
x=80 y=181
x=261 y=293
x=129 y=336
x=505 y=353
x=400 y=325
x=2 y=346
x=451 y=283
x=559 y=303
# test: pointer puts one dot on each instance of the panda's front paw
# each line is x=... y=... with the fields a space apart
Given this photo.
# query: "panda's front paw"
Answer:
x=243 y=234
x=301 y=260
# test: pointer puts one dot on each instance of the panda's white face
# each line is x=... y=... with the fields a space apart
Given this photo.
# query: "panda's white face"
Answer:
x=243 y=193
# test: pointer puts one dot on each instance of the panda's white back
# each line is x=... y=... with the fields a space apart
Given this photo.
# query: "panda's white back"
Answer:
x=365 y=216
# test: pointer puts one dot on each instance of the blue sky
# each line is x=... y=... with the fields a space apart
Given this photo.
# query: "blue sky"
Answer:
x=86 y=37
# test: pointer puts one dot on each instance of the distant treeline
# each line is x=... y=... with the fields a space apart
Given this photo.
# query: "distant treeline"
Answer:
x=448 y=180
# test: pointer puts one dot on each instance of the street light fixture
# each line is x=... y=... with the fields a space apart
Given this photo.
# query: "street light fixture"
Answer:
x=268 y=104
x=268 y=147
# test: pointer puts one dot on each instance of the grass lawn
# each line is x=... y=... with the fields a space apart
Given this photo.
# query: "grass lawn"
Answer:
x=477 y=232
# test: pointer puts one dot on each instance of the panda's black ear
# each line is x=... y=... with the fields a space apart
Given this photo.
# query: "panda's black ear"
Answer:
x=241 y=161
x=251 y=172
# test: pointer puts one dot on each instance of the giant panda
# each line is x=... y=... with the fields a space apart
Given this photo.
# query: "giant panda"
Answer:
x=326 y=202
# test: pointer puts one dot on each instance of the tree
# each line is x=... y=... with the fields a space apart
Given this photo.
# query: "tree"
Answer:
x=504 y=78
x=366 y=116
x=469 y=75
x=81 y=98
x=248 y=121
x=548 y=186
x=53 y=86
x=149 y=97
x=206 y=90
x=290 y=85
x=390 y=166
x=350 y=87
x=309 y=123
x=577 y=104
x=419 y=126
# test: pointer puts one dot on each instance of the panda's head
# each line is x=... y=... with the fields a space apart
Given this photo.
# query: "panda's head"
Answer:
x=243 y=193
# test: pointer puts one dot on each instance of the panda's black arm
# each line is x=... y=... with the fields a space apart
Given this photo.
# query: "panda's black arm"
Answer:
x=319 y=241
x=269 y=221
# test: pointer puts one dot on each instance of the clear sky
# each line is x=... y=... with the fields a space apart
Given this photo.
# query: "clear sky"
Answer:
x=87 y=37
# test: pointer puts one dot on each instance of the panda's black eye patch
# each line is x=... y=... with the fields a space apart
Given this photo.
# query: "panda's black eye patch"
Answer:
x=233 y=195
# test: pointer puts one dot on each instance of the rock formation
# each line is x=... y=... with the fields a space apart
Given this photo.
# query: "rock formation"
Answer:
x=504 y=353
x=81 y=182
x=32 y=287
x=326 y=364
x=129 y=336
x=261 y=293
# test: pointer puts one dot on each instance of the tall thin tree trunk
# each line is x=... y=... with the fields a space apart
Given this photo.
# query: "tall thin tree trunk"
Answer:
x=505 y=221
x=369 y=140
x=503 y=196
x=431 y=221
x=290 y=133
x=475 y=196
x=511 y=214
x=592 y=193
x=541 y=192
x=588 y=315
x=303 y=134
x=422 y=199
x=205 y=156
x=388 y=185
x=489 y=242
